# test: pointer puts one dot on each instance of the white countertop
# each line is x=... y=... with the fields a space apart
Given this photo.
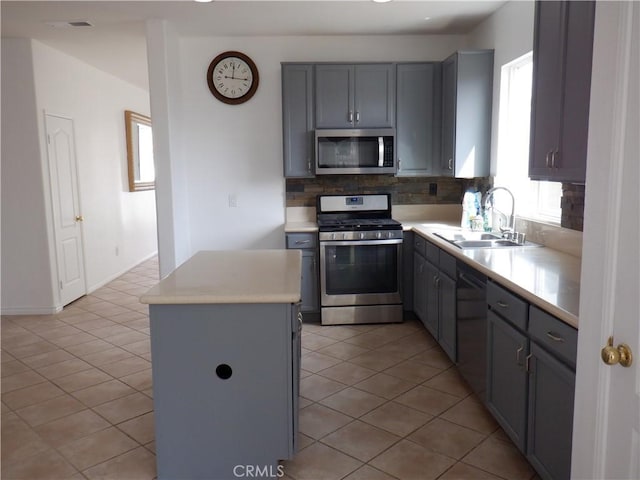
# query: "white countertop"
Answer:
x=545 y=277
x=238 y=276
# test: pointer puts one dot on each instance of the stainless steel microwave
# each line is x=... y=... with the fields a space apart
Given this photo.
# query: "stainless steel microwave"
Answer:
x=355 y=151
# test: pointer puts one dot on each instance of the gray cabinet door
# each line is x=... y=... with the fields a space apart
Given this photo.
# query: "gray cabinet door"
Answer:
x=507 y=349
x=563 y=47
x=407 y=271
x=355 y=96
x=420 y=286
x=418 y=107
x=374 y=100
x=432 y=314
x=448 y=330
x=551 y=395
x=334 y=96
x=467 y=86
x=297 y=120
x=310 y=301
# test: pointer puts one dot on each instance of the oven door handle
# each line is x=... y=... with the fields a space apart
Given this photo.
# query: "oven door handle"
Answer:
x=390 y=241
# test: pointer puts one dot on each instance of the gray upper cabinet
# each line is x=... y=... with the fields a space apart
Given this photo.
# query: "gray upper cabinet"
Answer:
x=418 y=113
x=297 y=120
x=562 y=53
x=355 y=96
x=467 y=96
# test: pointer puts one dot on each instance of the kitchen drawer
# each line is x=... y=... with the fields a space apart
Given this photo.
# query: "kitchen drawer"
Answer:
x=420 y=245
x=433 y=253
x=507 y=305
x=302 y=240
x=448 y=264
x=555 y=335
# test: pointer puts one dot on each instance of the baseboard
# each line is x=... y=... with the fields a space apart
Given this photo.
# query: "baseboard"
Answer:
x=31 y=310
x=111 y=278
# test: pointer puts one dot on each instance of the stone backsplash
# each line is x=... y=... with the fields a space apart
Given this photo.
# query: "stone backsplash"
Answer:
x=302 y=192
x=572 y=204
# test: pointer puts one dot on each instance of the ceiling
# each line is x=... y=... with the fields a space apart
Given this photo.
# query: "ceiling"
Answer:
x=115 y=42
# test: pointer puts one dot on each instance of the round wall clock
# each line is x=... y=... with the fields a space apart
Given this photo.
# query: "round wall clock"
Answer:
x=232 y=77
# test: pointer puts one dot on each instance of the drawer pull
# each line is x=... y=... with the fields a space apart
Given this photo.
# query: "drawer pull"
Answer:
x=554 y=337
x=502 y=304
x=302 y=242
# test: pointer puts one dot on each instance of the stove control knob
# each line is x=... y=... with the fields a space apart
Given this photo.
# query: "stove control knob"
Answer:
x=333 y=236
x=362 y=235
x=389 y=234
x=379 y=235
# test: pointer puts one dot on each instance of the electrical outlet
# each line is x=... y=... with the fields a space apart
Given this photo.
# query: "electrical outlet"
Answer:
x=433 y=189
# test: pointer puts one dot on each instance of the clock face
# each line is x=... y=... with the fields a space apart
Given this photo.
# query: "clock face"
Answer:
x=232 y=77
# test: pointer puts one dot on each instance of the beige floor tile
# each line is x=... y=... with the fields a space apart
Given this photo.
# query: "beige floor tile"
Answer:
x=39 y=346
x=21 y=380
x=304 y=402
x=138 y=348
x=80 y=380
x=74 y=339
x=409 y=461
x=126 y=338
x=406 y=347
x=124 y=408
x=138 y=464
x=369 y=340
x=97 y=448
x=94 y=324
x=140 y=380
x=462 y=471
x=447 y=438
x=472 y=414
x=126 y=367
x=385 y=385
x=104 y=357
x=58 y=332
x=434 y=357
x=360 y=440
x=312 y=341
x=103 y=393
x=450 y=381
x=500 y=458
x=367 y=472
x=428 y=400
x=109 y=331
x=314 y=361
x=31 y=395
x=45 y=465
x=63 y=369
x=353 y=402
x=50 y=410
x=347 y=373
x=396 y=418
x=304 y=441
x=320 y=462
x=48 y=358
x=69 y=428
x=13 y=368
x=89 y=347
x=140 y=428
x=376 y=360
x=413 y=371
x=337 y=332
x=343 y=351
x=317 y=421
x=315 y=387
x=18 y=440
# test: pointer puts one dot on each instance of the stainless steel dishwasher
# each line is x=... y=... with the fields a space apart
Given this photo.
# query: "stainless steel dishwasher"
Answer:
x=471 y=322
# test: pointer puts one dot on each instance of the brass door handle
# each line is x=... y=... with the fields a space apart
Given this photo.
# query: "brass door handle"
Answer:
x=79 y=218
x=620 y=354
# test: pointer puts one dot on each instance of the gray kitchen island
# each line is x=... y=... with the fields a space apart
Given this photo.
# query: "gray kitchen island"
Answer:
x=225 y=346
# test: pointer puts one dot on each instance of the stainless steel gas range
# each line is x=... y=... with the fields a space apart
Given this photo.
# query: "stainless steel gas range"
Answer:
x=360 y=259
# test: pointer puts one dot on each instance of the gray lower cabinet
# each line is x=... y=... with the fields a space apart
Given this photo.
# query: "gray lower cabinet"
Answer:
x=434 y=297
x=297 y=119
x=407 y=270
x=467 y=93
x=531 y=380
x=355 y=95
x=418 y=113
x=225 y=387
x=307 y=242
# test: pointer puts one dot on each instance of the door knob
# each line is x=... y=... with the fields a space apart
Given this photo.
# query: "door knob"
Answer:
x=79 y=218
x=620 y=354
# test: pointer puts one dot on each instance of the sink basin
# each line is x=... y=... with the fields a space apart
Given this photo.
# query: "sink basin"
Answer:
x=465 y=240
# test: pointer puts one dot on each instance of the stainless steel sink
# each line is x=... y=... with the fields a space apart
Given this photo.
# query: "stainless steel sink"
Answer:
x=467 y=240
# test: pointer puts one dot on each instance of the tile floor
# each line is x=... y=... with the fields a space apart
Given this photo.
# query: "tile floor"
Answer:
x=379 y=402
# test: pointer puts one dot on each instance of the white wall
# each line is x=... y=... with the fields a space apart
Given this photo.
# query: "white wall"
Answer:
x=26 y=255
x=114 y=218
x=509 y=31
x=238 y=149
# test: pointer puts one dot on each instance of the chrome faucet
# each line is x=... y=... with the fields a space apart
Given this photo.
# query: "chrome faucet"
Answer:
x=510 y=230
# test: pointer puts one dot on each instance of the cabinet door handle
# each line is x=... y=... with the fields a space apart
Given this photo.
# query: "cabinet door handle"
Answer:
x=555 y=337
x=502 y=304
x=357 y=117
x=554 y=156
x=450 y=164
x=350 y=116
x=436 y=281
x=546 y=159
x=528 y=363
x=519 y=356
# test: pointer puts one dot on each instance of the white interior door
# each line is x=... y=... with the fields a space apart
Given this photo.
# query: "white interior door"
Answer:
x=606 y=439
x=67 y=216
